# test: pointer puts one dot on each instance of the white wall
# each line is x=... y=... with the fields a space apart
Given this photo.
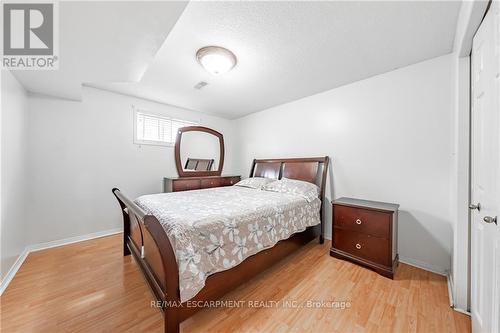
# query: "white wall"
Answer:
x=79 y=151
x=390 y=138
x=13 y=175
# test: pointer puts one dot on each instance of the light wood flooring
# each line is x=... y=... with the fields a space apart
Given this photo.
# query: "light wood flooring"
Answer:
x=90 y=287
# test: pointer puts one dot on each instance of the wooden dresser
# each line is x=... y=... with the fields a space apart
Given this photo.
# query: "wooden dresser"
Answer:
x=196 y=183
x=365 y=232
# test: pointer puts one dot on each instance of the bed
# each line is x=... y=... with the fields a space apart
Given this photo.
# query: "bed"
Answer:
x=166 y=241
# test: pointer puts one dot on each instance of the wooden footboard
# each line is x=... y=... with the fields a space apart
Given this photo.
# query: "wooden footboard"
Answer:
x=156 y=259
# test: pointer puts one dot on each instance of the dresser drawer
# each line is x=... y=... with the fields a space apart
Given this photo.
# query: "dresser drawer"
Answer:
x=361 y=220
x=196 y=183
x=210 y=182
x=185 y=185
x=364 y=246
x=228 y=181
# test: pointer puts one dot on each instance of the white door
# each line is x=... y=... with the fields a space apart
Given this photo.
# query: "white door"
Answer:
x=485 y=173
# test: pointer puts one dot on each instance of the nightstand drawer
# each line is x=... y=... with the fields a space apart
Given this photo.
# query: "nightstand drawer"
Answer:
x=186 y=185
x=210 y=182
x=362 y=220
x=363 y=246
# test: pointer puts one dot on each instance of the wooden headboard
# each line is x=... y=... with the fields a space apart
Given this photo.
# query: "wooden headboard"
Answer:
x=311 y=169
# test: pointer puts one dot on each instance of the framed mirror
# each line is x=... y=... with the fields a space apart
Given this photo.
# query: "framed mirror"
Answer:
x=199 y=151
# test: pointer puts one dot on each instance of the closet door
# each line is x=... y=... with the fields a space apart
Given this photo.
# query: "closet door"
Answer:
x=485 y=173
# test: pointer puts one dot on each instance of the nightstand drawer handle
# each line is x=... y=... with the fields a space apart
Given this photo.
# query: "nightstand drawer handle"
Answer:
x=358 y=221
x=358 y=246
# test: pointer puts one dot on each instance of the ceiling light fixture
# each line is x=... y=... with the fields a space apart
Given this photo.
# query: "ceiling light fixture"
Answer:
x=215 y=59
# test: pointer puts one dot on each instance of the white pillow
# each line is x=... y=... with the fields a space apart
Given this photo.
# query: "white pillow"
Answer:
x=255 y=182
x=305 y=189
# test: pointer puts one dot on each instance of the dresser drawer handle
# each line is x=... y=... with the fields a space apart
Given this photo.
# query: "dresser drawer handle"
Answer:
x=358 y=221
x=358 y=246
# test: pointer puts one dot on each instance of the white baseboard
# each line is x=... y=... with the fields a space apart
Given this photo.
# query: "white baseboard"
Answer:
x=449 y=282
x=70 y=240
x=449 y=277
x=47 y=245
x=423 y=265
x=465 y=312
x=13 y=270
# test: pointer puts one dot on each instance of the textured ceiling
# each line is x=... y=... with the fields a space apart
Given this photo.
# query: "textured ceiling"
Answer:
x=285 y=50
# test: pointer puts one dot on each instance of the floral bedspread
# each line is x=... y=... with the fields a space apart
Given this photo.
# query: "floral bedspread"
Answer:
x=212 y=230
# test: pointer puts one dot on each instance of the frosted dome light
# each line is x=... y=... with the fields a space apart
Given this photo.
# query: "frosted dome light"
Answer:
x=215 y=59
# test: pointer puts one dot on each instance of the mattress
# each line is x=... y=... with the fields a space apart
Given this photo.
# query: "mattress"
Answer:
x=212 y=230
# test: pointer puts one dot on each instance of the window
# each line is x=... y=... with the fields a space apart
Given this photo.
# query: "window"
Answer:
x=157 y=130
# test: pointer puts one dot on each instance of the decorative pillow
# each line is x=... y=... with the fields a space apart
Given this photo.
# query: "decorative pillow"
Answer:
x=308 y=190
x=255 y=182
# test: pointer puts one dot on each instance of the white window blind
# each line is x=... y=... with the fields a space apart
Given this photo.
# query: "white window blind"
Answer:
x=155 y=129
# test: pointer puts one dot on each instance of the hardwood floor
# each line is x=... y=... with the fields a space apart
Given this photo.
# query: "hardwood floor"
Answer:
x=98 y=290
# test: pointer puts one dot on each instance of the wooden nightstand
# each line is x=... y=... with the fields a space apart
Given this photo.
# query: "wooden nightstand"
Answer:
x=366 y=232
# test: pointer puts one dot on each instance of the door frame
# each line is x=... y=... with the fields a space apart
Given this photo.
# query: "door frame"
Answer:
x=472 y=16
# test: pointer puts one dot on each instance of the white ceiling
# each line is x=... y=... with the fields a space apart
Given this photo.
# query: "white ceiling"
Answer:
x=103 y=42
x=285 y=50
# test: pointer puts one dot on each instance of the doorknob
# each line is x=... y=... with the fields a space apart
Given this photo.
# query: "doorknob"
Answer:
x=478 y=206
x=489 y=219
